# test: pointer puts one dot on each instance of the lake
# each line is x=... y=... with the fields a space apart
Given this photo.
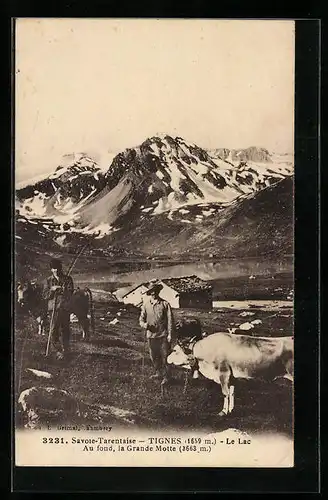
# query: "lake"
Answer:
x=260 y=276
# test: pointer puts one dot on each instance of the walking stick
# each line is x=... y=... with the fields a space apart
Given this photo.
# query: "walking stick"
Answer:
x=144 y=354
x=91 y=310
x=21 y=361
x=75 y=259
x=51 y=324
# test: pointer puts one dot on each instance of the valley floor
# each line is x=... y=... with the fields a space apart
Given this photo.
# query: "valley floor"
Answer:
x=108 y=370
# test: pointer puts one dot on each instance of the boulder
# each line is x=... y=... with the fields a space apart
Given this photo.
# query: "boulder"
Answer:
x=41 y=405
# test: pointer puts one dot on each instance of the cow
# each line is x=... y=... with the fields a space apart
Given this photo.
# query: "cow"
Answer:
x=81 y=304
x=222 y=357
x=30 y=300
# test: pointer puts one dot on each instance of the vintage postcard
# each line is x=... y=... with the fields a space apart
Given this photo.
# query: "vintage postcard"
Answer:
x=154 y=252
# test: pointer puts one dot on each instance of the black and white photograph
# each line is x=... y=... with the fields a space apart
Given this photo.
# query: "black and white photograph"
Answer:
x=153 y=242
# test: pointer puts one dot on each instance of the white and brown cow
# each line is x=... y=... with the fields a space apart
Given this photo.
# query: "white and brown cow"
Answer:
x=223 y=356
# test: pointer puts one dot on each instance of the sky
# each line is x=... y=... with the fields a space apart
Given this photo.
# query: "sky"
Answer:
x=103 y=85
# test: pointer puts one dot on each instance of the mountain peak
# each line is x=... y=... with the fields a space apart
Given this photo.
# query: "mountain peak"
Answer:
x=161 y=175
x=72 y=159
x=252 y=153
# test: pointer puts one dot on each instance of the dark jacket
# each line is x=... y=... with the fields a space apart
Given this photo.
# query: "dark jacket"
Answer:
x=63 y=296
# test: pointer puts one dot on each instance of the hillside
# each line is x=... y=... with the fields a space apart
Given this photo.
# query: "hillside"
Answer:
x=260 y=224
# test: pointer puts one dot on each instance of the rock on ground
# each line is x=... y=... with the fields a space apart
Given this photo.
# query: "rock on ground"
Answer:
x=44 y=404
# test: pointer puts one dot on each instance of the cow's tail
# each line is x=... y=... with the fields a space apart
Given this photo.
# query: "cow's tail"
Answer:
x=92 y=310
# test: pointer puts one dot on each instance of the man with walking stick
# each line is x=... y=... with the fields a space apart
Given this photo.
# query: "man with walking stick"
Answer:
x=157 y=319
x=58 y=292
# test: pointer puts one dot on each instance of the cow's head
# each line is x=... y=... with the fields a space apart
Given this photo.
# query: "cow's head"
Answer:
x=179 y=358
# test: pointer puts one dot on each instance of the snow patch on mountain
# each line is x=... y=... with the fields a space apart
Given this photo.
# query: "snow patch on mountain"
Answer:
x=163 y=174
x=34 y=206
x=209 y=212
x=176 y=176
x=159 y=174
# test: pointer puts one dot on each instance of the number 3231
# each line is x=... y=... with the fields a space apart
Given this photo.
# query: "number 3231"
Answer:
x=55 y=440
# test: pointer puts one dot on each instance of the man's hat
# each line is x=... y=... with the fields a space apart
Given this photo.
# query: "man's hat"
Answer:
x=56 y=264
x=154 y=286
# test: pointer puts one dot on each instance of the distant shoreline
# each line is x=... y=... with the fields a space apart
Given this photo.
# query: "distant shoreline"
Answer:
x=267 y=304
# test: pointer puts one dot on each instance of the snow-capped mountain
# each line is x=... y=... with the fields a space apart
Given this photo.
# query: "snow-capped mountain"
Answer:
x=252 y=154
x=164 y=175
x=62 y=193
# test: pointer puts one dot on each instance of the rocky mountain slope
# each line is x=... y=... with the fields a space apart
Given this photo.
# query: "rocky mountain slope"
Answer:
x=160 y=176
x=259 y=224
x=65 y=191
x=252 y=154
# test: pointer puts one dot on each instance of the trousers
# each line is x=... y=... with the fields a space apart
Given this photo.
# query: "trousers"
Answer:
x=159 y=351
x=60 y=333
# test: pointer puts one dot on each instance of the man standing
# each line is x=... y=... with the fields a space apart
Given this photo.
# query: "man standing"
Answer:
x=58 y=292
x=157 y=319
